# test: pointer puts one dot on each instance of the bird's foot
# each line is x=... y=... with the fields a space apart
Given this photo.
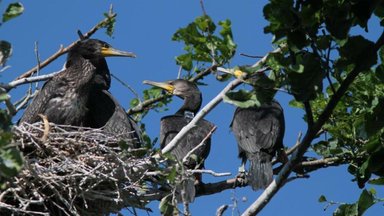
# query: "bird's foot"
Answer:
x=241 y=180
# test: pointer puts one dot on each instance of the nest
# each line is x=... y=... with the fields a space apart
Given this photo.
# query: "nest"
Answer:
x=75 y=171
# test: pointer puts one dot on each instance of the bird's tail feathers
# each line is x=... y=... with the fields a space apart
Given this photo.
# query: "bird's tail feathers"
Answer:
x=260 y=173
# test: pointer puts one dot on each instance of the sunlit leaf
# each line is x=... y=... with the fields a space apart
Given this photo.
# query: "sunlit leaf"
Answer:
x=13 y=10
x=322 y=198
x=366 y=200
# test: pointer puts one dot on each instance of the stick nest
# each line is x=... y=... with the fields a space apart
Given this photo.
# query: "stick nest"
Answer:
x=75 y=171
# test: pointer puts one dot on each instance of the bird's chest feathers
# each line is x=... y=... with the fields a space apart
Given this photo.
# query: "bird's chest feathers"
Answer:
x=70 y=106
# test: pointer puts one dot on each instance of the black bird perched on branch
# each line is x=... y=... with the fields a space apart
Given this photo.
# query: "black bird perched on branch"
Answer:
x=171 y=125
x=64 y=99
x=259 y=132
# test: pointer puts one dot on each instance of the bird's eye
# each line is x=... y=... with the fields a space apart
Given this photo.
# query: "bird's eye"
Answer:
x=106 y=46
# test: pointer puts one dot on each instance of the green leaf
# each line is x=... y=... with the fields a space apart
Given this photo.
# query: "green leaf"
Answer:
x=338 y=20
x=13 y=10
x=346 y=210
x=4 y=96
x=296 y=104
x=378 y=181
x=185 y=61
x=322 y=198
x=165 y=206
x=242 y=98
x=109 y=25
x=366 y=200
x=10 y=162
x=305 y=77
x=5 y=51
x=205 y=24
x=358 y=49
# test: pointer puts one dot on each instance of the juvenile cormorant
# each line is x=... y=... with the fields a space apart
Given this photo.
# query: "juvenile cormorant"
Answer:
x=106 y=113
x=259 y=133
x=64 y=98
x=171 y=125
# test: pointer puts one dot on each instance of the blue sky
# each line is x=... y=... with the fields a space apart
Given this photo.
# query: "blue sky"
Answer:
x=145 y=28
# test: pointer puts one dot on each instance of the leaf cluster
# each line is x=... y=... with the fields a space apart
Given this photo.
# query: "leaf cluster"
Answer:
x=11 y=160
x=203 y=45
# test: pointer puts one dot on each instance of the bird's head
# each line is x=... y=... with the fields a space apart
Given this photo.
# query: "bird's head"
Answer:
x=178 y=87
x=184 y=89
x=91 y=48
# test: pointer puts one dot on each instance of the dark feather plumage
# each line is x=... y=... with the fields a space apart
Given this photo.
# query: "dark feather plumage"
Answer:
x=259 y=132
x=106 y=113
x=171 y=125
x=64 y=98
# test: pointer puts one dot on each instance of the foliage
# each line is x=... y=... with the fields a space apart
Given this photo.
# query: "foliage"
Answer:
x=203 y=45
x=367 y=199
x=320 y=48
x=13 y=10
x=10 y=158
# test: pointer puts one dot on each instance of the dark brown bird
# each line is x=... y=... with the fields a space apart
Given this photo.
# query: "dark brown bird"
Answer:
x=259 y=132
x=64 y=99
x=106 y=113
x=171 y=125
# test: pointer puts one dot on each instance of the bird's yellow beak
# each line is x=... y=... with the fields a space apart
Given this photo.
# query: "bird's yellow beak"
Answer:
x=109 y=51
x=164 y=85
x=237 y=73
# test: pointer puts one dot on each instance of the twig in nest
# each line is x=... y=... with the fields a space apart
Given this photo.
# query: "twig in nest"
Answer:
x=46 y=127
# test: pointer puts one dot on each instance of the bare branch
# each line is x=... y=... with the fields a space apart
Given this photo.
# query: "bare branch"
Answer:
x=210 y=172
x=220 y=211
x=22 y=81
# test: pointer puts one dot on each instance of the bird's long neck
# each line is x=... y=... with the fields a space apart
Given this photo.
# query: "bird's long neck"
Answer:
x=101 y=77
x=192 y=104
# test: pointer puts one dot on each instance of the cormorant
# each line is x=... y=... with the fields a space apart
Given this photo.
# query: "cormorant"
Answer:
x=171 y=125
x=259 y=133
x=106 y=113
x=64 y=99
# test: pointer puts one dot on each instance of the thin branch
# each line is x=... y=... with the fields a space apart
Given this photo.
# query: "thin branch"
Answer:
x=220 y=211
x=211 y=172
x=63 y=50
x=37 y=59
x=22 y=81
x=127 y=86
x=275 y=186
x=250 y=56
x=185 y=159
x=203 y=8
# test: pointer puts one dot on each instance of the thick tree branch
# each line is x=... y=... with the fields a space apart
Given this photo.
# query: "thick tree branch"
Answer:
x=275 y=186
x=63 y=50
